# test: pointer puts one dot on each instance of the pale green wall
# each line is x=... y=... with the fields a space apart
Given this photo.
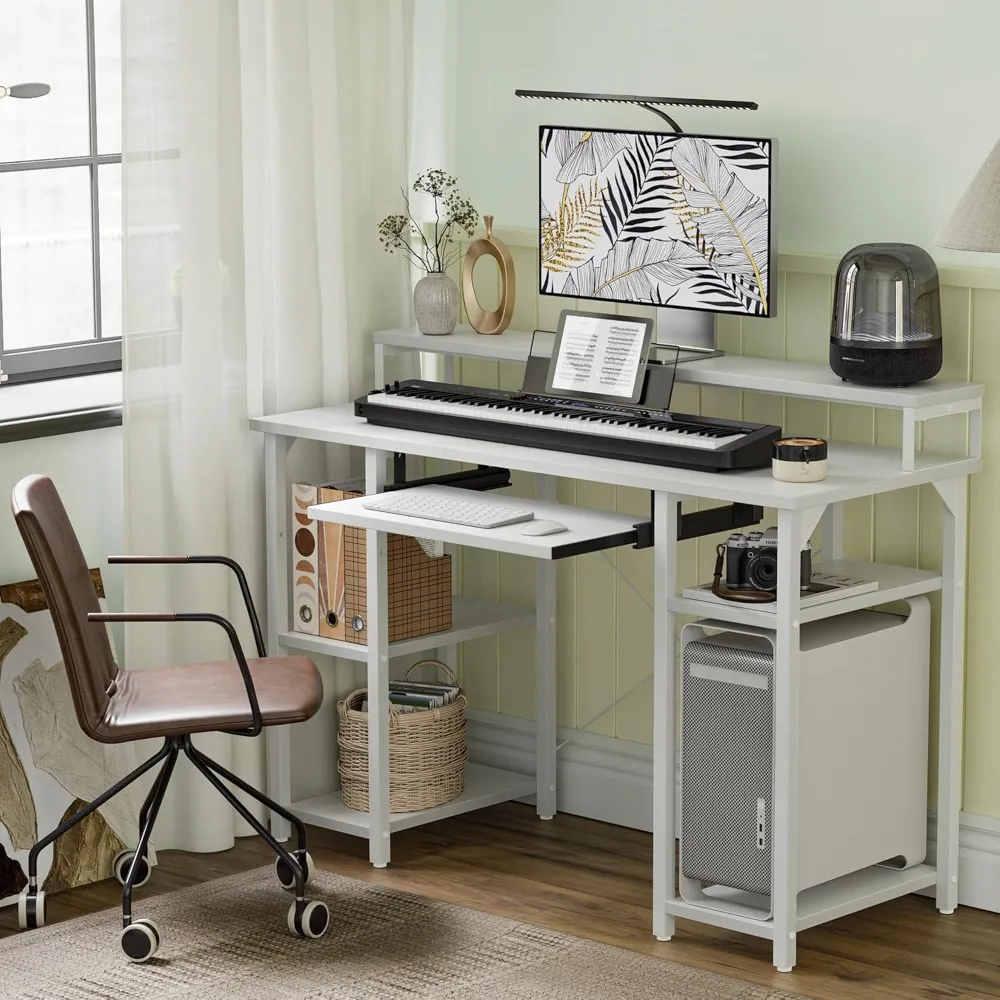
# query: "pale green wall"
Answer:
x=87 y=470
x=883 y=111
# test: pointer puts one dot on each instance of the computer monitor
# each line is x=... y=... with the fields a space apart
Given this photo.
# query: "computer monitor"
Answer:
x=678 y=221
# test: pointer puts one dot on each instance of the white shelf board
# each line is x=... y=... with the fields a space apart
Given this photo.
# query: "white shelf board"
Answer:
x=859 y=890
x=511 y=345
x=793 y=378
x=896 y=583
x=784 y=378
x=484 y=786
x=821 y=903
x=855 y=470
x=471 y=618
x=720 y=918
x=584 y=526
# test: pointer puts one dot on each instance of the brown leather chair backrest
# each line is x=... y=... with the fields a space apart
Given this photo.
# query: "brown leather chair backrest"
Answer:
x=62 y=571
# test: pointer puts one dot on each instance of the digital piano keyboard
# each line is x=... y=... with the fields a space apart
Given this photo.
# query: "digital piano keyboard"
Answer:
x=607 y=430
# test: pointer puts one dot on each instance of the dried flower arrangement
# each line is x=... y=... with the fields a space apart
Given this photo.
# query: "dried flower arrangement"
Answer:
x=452 y=213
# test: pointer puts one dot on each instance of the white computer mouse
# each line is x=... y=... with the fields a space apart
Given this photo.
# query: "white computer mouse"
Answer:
x=542 y=528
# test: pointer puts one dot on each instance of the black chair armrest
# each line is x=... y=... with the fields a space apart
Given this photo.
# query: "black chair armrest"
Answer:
x=198 y=616
x=241 y=578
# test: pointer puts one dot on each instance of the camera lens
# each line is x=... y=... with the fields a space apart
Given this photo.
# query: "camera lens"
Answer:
x=762 y=571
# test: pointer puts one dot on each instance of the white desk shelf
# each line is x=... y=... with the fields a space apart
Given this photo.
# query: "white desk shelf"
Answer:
x=471 y=618
x=819 y=904
x=484 y=786
x=895 y=583
x=924 y=401
x=855 y=471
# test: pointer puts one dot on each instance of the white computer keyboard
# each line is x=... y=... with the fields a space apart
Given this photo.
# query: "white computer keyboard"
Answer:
x=474 y=511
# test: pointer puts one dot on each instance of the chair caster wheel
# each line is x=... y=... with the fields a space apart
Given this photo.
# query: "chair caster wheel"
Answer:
x=308 y=919
x=140 y=940
x=285 y=877
x=31 y=910
x=120 y=866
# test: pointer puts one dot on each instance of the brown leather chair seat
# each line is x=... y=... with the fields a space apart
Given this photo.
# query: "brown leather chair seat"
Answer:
x=159 y=702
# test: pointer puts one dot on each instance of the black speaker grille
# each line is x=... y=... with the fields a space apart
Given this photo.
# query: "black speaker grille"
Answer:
x=881 y=366
x=727 y=747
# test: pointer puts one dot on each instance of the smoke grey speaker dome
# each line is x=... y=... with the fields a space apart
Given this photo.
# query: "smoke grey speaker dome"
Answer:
x=886 y=316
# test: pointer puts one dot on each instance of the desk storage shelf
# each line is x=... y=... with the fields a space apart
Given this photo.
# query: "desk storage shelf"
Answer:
x=926 y=401
x=821 y=903
x=471 y=619
x=484 y=786
x=895 y=583
x=855 y=471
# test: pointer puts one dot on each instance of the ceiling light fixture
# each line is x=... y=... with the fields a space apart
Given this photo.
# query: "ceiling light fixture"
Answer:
x=25 y=91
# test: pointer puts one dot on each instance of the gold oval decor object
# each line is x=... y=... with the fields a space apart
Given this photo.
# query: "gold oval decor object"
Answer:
x=499 y=319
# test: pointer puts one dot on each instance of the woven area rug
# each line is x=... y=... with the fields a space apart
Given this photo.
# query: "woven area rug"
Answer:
x=228 y=939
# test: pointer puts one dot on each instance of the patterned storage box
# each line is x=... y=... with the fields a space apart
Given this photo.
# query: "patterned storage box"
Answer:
x=330 y=577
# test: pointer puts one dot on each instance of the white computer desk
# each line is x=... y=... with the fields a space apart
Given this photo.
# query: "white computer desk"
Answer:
x=854 y=471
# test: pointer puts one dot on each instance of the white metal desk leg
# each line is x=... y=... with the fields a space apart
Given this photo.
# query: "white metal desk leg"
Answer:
x=664 y=712
x=954 y=494
x=276 y=517
x=545 y=672
x=785 y=803
x=378 y=673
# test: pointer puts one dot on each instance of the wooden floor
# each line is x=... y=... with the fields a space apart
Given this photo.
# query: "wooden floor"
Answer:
x=593 y=880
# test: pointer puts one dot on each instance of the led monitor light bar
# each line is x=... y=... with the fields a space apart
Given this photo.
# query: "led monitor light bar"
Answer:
x=649 y=103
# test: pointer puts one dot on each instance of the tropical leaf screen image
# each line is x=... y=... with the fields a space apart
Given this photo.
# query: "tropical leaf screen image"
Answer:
x=657 y=219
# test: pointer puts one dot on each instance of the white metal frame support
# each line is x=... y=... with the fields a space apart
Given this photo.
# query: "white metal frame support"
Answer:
x=545 y=672
x=665 y=521
x=912 y=417
x=785 y=825
x=954 y=495
x=378 y=671
x=276 y=521
x=833 y=532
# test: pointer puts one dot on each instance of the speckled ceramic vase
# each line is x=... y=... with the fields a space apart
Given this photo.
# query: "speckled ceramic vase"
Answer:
x=435 y=304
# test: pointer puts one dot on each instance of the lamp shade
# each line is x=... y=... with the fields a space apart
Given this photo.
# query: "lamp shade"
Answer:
x=975 y=222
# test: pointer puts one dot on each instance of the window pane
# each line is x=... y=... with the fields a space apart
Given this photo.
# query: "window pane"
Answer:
x=46 y=270
x=109 y=185
x=44 y=41
x=108 y=51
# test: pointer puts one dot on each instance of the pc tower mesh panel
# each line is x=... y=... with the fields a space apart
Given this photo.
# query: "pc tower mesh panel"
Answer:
x=727 y=766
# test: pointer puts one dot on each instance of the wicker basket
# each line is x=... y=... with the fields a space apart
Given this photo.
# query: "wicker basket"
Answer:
x=427 y=751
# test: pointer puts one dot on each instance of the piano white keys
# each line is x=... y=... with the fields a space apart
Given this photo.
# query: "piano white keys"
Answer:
x=586 y=422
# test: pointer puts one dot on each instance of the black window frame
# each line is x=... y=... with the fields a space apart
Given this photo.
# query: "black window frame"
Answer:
x=99 y=353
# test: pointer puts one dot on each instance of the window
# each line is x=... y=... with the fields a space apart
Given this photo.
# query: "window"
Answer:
x=60 y=189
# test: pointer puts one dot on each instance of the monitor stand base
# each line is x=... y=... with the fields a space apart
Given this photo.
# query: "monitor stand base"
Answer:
x=690 y=331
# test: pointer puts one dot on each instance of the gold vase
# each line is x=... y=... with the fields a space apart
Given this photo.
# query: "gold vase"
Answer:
x=498 y=319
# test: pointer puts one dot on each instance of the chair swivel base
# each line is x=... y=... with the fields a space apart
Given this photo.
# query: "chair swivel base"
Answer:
x=140 y=938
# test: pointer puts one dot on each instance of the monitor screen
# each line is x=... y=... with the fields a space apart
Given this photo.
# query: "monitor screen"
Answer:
x=665 y=219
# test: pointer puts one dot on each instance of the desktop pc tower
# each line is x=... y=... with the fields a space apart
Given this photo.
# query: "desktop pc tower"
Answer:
x=862 y=753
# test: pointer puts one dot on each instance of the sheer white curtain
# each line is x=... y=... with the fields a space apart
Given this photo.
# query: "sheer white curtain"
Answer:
x=263 y=139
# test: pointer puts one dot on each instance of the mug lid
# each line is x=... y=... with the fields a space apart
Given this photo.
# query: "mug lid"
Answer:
x=800 y=449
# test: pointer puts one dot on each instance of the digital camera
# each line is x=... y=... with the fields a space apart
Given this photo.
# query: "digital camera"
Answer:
x=752 y=561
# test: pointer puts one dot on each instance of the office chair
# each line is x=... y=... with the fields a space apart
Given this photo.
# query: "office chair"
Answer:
x=239 y=696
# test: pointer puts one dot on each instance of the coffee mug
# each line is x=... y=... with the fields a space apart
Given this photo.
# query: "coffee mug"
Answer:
x=799 y=460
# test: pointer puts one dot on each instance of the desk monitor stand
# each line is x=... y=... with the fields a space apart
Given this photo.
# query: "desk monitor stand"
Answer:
x=692 y=332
